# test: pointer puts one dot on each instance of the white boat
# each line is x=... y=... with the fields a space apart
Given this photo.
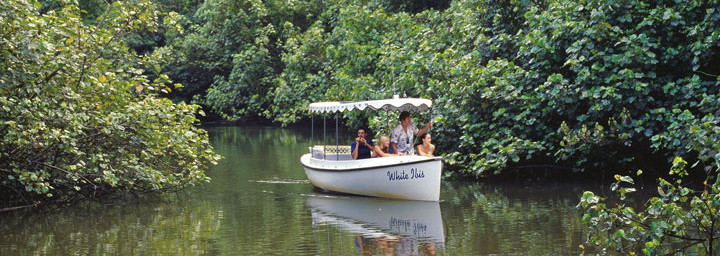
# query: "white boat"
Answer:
x=411 y=177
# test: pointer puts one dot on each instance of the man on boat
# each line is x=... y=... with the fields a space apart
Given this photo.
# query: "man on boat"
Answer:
x=404 y=134
x=362 y=146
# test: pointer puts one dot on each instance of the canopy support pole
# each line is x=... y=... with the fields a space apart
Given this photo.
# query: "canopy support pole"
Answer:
x=389 y=130
x=312 y=135
x=387 y=120
x=431 y=118
x=337 y=135
x=324 y=141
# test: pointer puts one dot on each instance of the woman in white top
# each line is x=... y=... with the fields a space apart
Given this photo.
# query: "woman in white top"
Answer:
x=425 y=148
x=403 y=135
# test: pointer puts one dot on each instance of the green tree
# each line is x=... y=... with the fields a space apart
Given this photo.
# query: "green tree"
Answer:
x=79 y=119
x=231 y=53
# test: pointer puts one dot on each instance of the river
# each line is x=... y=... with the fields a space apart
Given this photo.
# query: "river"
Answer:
x=260 y=203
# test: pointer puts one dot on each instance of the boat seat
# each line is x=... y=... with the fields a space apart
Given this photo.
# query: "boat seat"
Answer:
x=331 y=152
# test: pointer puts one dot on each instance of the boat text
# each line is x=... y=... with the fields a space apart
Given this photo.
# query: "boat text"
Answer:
x=408 y=226
x=414 y=173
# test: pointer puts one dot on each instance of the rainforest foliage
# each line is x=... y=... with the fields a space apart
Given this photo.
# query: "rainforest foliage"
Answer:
x=589 y=85
x=81 y=117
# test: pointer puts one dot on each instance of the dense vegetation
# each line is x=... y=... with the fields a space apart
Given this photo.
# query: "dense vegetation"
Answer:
x=80 y=116
x=589 y=85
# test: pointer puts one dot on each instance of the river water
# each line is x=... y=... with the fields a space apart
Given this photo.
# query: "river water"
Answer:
x=260 y=203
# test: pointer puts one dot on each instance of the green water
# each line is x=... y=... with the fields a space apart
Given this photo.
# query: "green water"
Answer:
x=260 y=203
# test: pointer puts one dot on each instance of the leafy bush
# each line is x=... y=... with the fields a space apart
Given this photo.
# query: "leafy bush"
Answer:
x=678 y=220
x=79 y=119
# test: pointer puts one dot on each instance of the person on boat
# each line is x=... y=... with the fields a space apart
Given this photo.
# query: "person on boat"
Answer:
x=362 y=146
x=383 y=148
x=403 y=135
x=425 y=148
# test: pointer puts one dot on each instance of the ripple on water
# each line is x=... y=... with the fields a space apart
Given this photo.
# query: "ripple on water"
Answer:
x=281 y=181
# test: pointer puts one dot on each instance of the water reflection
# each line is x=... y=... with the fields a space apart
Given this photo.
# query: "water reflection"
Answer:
x=386 y=226
x=512 y=219
x=150 y=228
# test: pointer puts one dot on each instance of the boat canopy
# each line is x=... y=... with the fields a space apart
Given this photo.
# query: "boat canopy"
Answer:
x=396 y=104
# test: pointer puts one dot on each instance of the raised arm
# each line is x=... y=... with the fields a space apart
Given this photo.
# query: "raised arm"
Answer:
x=424 y=129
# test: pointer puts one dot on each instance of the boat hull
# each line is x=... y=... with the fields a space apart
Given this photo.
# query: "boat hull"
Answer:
x=403 y=177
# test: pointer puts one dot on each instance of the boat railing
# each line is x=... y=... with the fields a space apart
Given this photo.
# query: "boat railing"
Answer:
x=331 y=152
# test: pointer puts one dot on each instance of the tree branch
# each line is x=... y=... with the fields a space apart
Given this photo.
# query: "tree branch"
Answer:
x=16 y=207
x=95 y=187
x=639 y=222
x=685 y=247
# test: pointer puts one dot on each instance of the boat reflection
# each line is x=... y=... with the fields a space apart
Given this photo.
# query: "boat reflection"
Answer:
x=396 y=227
